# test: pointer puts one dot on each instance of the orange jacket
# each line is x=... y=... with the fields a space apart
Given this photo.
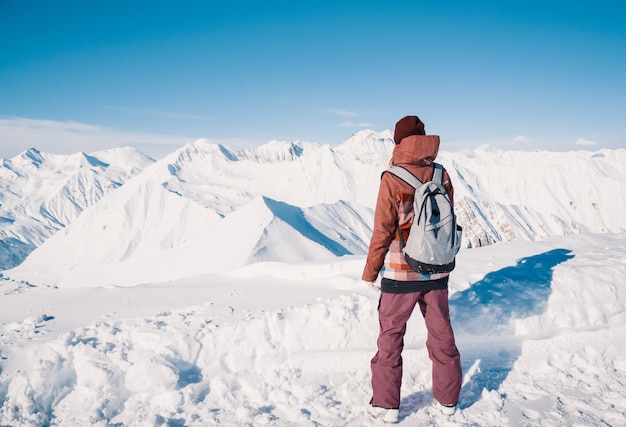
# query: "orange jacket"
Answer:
x=394 y=206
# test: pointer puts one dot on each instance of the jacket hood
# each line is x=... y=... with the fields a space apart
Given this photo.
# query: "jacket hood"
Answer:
x=419 y=150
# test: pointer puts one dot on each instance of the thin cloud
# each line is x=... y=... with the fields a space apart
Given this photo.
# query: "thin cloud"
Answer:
x=343 y=113
x=18 y=134
x=583 y=141
x=522 y=139
x=356 y=125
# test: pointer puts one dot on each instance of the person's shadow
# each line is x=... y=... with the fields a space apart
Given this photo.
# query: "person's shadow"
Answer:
x=481 y=318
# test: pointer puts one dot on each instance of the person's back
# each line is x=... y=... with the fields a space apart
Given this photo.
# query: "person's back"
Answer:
x=416 y=153
x=435 y=237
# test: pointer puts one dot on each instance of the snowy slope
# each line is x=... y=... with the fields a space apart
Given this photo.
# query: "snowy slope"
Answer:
x=539 y=325
x=41 y=193
x=300 y=174
x=212 y=183
x=325 y=195
x=221 y=287
x=131 y=251
x=507 y=195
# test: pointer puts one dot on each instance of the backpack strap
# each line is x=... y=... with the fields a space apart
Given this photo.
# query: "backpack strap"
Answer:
x=438 y=177
x=405 y=176
x=411 y=179
x=414 y=182
x=438 y=173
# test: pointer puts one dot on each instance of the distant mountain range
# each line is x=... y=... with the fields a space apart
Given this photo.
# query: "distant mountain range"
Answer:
x=41 y=193
x=208 y=209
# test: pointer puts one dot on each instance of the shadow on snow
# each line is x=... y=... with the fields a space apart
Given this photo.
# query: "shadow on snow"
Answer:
x=481 y=317
x=295 y=217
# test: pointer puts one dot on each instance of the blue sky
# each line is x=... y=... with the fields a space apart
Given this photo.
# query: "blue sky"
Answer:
x=83 y=75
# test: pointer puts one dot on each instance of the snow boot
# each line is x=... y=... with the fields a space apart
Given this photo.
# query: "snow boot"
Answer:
x=389 y=416
x=447 y=409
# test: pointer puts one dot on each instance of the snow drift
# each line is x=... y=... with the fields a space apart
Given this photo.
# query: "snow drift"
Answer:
x=539 y=326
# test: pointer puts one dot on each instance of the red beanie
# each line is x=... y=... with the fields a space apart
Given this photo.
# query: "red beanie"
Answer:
x=407 y=126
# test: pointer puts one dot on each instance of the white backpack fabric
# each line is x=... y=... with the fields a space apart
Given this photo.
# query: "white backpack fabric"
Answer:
x=434 y=237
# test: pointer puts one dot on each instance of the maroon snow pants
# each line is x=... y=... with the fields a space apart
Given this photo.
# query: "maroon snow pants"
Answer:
x=394 y=311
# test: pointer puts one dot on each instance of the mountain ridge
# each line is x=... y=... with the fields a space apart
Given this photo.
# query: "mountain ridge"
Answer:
x=324 y=197
x=41 y=193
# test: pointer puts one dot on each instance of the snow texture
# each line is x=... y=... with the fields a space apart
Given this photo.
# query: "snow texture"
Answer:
x=221 y=287
x=41 y=193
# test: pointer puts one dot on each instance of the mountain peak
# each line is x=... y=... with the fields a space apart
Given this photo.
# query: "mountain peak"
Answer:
x=94 y=161
x=43 y=192
x=33 y=156
x=278 y=150
x=368 y=141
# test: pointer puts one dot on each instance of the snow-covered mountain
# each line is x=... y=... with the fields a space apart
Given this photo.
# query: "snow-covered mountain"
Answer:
x=41 y=193
x=515 y=195
x=206 y=208
x=287 y=339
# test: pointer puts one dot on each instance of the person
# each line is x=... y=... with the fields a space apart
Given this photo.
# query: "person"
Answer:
x=401 y=288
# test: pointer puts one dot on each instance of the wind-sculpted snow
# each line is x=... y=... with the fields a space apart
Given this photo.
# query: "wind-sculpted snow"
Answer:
x=539 y=326
x=515 y=292
x=41 y=193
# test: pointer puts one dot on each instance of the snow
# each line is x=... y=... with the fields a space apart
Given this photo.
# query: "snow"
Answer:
x=40 y=193
x=239 y=207
x=540 y=328
x=191 y=296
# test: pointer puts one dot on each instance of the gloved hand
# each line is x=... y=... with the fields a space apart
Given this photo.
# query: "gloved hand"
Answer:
x=373 y=286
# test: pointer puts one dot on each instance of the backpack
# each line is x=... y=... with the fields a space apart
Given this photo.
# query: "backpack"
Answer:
x=434 y=237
